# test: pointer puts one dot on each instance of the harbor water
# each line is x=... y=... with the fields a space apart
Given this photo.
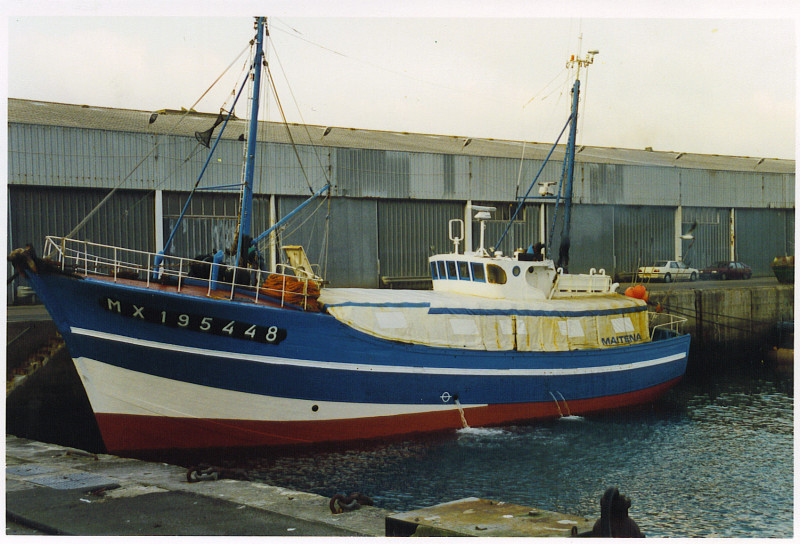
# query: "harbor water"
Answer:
x=713 y=458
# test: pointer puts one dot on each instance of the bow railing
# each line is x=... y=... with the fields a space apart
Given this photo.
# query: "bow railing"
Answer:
x=289 y=286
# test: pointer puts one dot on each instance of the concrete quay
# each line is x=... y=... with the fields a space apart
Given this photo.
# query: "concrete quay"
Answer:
x=733 y=320
x=56 y=490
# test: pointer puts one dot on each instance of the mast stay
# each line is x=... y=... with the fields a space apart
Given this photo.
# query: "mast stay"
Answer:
x=568 y=171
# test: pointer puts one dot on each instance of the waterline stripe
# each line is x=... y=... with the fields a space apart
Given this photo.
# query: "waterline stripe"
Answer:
x=392 y=369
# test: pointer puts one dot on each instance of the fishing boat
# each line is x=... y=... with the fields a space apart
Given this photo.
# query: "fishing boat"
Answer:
x=183 y=354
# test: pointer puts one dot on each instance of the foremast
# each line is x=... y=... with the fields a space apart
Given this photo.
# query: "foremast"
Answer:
x=245 y=218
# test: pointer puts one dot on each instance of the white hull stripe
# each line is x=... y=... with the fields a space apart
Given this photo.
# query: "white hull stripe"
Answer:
x=114 y=390
x=355 y=367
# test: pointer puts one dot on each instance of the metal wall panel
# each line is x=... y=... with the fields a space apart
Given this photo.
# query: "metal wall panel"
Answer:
x=210 y=223
x=74 y=157
x=762 y=235
x=372 y=173
x=467 y=187
x=339 y=234
x=642 y=235
x=495 y=178
x=523 y=232
x=409 y=231
x=187 y=123
x=81 y=157
x=431 y=176
x=711 y=236
x=605 y=183
x=278 y=170
x=778 y=189
x=551 y=173
x=650 y=186
x=729 y=189
x=440 y=177
x=479 y=178
x=125 y=220
x=591 y=239
x=703 y=188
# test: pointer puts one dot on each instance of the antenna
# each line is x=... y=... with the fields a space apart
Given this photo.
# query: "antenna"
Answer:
x=484 y=214
x=582 y=62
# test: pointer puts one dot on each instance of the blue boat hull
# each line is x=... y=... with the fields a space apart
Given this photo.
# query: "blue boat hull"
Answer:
x=172 y=370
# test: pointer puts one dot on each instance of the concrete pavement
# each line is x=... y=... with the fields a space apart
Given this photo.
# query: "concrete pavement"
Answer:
x=56 y=490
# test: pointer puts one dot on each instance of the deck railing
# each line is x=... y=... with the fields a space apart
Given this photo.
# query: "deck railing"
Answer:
x=665 y=322
x=287 y=286
x=591 y=283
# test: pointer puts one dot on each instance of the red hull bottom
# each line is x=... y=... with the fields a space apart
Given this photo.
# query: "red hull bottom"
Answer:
x=124 y=433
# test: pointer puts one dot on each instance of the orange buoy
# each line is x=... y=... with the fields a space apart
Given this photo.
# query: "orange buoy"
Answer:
x=637 y=291
x=629 y=292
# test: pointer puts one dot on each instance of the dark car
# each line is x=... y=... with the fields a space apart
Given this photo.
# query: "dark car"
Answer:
x=726 y=270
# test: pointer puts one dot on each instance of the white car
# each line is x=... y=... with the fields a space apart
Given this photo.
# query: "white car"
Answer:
x=668 y=271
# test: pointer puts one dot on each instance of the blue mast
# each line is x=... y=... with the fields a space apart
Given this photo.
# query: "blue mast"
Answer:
x=245 y=219
x=563 y=250
x=569 y=166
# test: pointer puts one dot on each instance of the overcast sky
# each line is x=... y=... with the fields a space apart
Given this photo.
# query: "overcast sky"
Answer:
x=709 y=80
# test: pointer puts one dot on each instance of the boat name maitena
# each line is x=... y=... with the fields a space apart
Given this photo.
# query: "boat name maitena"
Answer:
x=212 y=325
x=621 y=339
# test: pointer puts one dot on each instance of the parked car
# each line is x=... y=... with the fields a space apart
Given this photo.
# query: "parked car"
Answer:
x=726 y=270
x=668 y=271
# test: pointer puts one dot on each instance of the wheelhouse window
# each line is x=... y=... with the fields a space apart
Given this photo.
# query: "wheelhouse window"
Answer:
x=495 y=274
x=442 y=271
x=477 y=272
x=451 y=270
x=463 y=270
x=434 y=271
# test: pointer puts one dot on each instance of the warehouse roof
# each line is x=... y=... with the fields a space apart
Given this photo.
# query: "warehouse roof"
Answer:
x=186 y=123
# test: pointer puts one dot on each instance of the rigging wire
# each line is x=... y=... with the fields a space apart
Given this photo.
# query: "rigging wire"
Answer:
x=327 y=238
x=314 y=148
x=403 y=74
x=282 y=231
x=147 y=194
x=560 y=73
x=216 y=81
x=299 y=113
x=273 y=242
x=288 y=130
x=584 y=93
x=253 y=65
x=102 y=203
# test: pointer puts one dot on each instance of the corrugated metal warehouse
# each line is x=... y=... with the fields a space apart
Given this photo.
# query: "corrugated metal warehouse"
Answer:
x=392 y=193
